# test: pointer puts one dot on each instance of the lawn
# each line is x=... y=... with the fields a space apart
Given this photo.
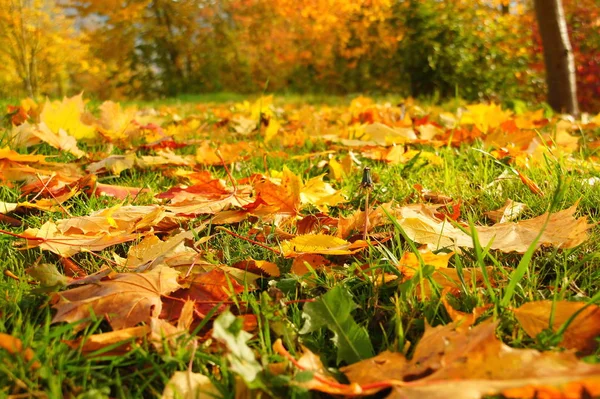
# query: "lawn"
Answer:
x=298 y=247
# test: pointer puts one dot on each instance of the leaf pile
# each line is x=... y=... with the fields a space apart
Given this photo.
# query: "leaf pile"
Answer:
x=279 y=188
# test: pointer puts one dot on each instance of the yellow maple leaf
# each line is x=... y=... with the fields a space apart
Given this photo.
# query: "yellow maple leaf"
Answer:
x=484 y=116
x=66 y=114
x=272 y=130
x=321 y=194
x=319 y=244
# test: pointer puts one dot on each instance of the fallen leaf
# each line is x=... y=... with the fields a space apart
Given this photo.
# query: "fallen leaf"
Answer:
x=67 y=115
x=188 y=385
x=508 y=212
x=409 y=264
x=320 y=194
x=563 y=231
x=14 y=346
x=385 y=135
x=470 y=364
x=319 y=244
x=316 y=262
x=581 y=334
x=207 y=290
x=125 y=300
x=120 y=341
x=285 y=195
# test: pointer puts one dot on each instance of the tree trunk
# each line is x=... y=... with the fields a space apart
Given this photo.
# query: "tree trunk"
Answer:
x=558 y=56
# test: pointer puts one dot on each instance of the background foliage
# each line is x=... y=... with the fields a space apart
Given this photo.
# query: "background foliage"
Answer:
x=474 y=49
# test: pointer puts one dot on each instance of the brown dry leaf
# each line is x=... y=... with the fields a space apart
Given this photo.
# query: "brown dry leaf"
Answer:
x=356 y=221
x=28 y=134
x=152 y=251
x=450 y=362
x=49 y=238
x=385 y=366
x=162 y=332
x=392 y=155
x=322 y=380
x=285 y=196
x=14 y=346
x=190 y=204
x=97 y=342
x=125 y=300
x=508 y=212
x=164 y=157
x=207 y=290
x=562 y=231
x=101 y=229
x=581 y=334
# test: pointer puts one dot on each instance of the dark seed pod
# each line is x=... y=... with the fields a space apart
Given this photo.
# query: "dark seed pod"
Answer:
x=367 y=180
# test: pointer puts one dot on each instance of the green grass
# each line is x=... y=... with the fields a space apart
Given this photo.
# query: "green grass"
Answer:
x=393 y=314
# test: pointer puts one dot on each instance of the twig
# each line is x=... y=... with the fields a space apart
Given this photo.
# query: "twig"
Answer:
x=260 y=244
x=366 y=184
x=45 y=186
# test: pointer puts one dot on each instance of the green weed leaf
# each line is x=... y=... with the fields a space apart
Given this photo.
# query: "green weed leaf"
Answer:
x=333 y=310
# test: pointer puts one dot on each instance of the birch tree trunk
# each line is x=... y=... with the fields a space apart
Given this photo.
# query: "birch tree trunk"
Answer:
x=558 y=56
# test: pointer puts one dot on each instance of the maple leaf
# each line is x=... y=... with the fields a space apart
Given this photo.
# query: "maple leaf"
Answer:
x=48 y=237
x=316 y=262
x=207 y=290
x=562 y=231
x=120 y=341
x=152 y=251
x=484 y=116
x=225 y=153
x=320 y=194
x=189 y=385
x=381 y=134
x=285 y=196
x=67 y=115
x=454 y=361
x=125 y=300
x=115 y=123
x=101 y=229
x=319 y=244
x=339 y=170
x=209 y=198
x=582 y=332
x=114 y=164
x=508 y=212
x=27 y=135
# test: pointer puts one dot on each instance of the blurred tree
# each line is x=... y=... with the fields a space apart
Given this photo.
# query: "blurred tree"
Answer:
x=558 y=56
x=40 y=49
